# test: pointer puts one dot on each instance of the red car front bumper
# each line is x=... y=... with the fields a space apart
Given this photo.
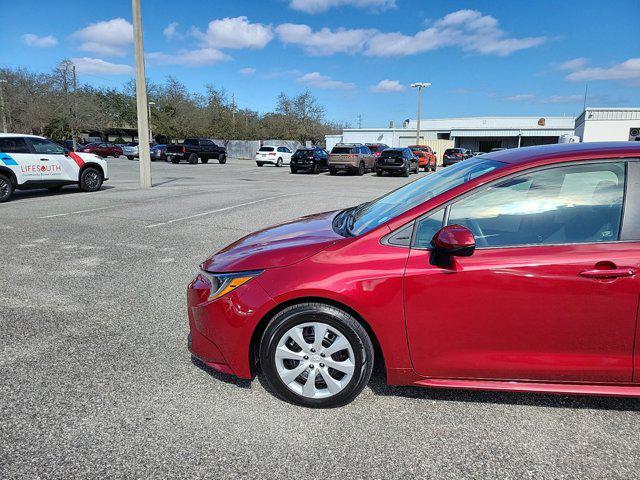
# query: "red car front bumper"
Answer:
x=221 y=330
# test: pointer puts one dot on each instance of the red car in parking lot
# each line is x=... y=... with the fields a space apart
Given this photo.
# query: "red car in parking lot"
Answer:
x=515 y=270
x=103 y=149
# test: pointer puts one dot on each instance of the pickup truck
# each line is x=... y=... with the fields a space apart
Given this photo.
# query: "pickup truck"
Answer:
x=193 y=149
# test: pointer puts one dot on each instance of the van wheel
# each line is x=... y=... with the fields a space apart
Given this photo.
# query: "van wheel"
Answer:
x=6 y=188
x=90 y=180
x=316 y=355
x=193 y=159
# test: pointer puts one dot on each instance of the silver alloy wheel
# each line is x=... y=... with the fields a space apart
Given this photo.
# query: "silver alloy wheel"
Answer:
x=314 y=360
x=4 y=188
x=92 y=179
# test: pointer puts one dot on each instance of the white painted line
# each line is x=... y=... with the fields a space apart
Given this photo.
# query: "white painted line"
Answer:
x=168 y=222
x=77 y=211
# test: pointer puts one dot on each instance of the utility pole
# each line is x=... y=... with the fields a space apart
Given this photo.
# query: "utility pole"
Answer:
x=419 y=86
x=4 y=115
x=74 y=117
x=150 y=124
x=141 y=98
x=359 y=121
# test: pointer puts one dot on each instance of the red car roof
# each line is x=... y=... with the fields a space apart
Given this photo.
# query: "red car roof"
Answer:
x=569 y=151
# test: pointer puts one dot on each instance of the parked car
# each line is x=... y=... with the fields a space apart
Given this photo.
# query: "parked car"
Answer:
x=277 y=155
x=397 y=160
x=159 y=152
x=312 y=159
x=534 y=254
x=455 y=155
x=376 y=148
x=351 y=157
x=102 y=149
x=426 y=157
x=28 y=162
x=193 y=149
x=130 y=150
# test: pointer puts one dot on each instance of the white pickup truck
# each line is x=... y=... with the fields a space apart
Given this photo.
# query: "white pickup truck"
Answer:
x=29 y=161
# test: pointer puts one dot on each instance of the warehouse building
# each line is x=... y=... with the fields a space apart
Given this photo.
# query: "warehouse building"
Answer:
x=481 y=134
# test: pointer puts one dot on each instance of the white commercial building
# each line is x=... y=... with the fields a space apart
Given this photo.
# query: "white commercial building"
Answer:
x=481 y=134
x=609 y=124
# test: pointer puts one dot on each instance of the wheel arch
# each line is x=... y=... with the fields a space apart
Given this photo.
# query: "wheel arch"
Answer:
x=254 y=345
x=88 y=165
x=11 y=174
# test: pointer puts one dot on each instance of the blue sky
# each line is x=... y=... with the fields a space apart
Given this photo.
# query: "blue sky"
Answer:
x=357 y=56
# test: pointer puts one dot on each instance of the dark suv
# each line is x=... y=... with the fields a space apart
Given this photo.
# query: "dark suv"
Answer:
x=397 y=160
x=310 y=159
x=455 y=155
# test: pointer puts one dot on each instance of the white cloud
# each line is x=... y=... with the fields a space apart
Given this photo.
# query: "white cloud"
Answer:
x=189 y=58
x=110 y=38
x=520 y=97
x=315 y=79
x=33 y=40
x=469 y=30
x=386 y=86
x=95 y=66
x=556 y=99
x=171 y=31
x=317 y=6
x=573 y=64
x=325 y=41
x=627 y=70
x=247 y=71
x=235 y=32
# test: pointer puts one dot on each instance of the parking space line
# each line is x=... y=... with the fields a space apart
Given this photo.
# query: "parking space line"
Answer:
x=189 y=217
x=77 y=211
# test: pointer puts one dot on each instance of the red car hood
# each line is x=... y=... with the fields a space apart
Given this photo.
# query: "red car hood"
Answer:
x=277 y=246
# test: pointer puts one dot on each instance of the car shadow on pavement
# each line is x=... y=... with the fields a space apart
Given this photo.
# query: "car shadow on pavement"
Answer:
x=223 y=377
x=39 y=192
x=378 y=386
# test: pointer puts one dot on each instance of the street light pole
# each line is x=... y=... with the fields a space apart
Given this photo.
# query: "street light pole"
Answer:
x=150 y=124
x=4 y=115
x=141 y=98
x=419 y=86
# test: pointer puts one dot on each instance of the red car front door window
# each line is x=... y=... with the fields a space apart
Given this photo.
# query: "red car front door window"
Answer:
x=522 y=307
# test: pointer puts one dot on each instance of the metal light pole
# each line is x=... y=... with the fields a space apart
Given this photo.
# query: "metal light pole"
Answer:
x=419 y=86
x=4 y=116
x=150 y=124
x=141 y=98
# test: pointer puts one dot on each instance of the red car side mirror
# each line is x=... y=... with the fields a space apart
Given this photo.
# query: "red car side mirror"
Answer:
x=454 y=240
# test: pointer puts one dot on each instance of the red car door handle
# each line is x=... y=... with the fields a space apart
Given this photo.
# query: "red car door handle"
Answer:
x=608 y=273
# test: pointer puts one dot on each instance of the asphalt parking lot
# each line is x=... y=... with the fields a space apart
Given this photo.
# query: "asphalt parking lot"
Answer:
x=96 y=381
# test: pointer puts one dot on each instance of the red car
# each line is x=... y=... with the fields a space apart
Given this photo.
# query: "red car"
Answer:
x=426 y=157
x=103 y=149
x=515 y=270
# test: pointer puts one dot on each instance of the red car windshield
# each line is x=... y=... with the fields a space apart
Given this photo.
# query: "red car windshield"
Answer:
x=370 y=215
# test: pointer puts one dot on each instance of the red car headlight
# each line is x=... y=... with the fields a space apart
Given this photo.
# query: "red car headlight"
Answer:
x=223 y=283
